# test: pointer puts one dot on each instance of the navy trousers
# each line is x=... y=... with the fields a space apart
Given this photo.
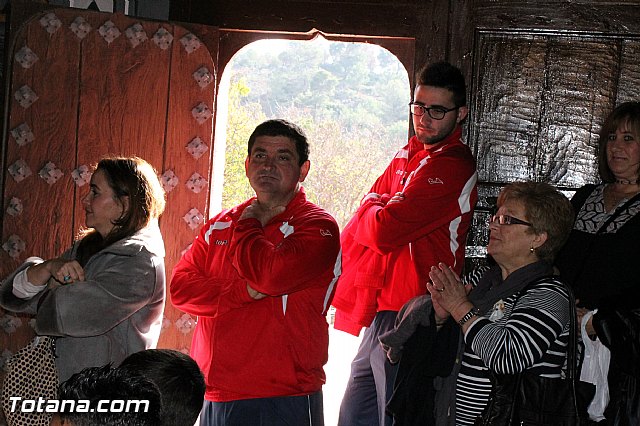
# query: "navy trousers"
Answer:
x=372 y=375
x=281 y=411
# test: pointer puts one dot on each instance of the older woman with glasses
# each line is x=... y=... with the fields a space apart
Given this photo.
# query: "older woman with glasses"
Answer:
x=517 y=316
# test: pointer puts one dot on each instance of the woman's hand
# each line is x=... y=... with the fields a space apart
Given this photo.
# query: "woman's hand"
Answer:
x=588 y=327
x=447 y=292
x=440 y=313
x=63 y=270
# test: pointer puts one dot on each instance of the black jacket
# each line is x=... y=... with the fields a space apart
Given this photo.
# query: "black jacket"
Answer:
x=603 y=269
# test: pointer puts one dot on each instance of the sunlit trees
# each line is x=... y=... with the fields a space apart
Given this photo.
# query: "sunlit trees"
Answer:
x=350 y=99
x=241 y=122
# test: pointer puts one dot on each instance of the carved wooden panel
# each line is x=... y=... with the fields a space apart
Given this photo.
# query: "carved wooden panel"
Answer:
x=629 y=81
x=538 y=103
x=87 y=84
x=586 y=16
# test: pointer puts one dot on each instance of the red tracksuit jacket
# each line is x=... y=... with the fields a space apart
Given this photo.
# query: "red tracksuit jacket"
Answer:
x=276 y=346
x=388 y=249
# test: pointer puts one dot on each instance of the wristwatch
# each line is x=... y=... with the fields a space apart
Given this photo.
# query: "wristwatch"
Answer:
x=472 y=313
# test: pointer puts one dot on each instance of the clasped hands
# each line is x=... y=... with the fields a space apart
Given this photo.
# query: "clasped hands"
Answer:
x=448 y=294
x=63 y=270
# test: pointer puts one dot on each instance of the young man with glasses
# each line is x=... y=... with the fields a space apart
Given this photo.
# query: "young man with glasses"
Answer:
x=416 y=215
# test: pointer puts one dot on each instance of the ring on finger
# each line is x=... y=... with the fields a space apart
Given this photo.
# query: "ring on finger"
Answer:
x=67 y=278
x=440 y=289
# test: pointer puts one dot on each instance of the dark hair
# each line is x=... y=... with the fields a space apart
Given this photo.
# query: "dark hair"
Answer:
x=547 y=209
x=279 y=127
x=446 y=76
x=106 y=383
x=136 y=179
x=178 y=378
x=626 y=114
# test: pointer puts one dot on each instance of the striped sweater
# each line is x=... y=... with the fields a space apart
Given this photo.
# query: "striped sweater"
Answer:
x=526 y=331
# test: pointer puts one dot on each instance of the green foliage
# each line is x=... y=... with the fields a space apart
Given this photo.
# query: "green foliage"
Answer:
x=241 y=122
x=351 y=100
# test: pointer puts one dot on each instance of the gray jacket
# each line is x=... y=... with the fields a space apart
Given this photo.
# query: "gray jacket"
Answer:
x=115 y=312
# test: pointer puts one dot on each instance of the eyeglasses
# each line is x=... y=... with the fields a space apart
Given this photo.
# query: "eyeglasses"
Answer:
x=503 y=219
x=437 y=113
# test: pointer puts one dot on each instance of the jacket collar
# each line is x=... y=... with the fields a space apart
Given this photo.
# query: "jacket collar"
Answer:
x=454 y=138
x=148 y=238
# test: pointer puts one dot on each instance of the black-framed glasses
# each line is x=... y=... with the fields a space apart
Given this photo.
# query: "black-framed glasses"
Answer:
x=503 y=219
x=437 y=113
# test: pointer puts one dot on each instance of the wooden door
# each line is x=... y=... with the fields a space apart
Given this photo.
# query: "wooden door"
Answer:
x=86 y=84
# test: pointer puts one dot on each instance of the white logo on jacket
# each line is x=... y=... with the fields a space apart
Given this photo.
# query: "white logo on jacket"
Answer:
x=286 y=229
x=215 y=226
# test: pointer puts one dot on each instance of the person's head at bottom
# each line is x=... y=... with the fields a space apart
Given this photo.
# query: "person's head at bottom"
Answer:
x=178 y=378
x=99 y=396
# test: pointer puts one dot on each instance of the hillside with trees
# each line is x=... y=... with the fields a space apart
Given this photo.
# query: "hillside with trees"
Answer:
x=349 y=98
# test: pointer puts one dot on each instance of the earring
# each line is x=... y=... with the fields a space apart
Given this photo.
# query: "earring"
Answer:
x=532 y=250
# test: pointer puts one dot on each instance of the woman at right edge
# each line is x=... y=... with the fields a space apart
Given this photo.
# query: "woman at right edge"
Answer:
x=600 y=259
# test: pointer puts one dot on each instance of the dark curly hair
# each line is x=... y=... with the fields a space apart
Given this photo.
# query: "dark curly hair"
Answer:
x=446 y=76
x=95 y=385
x=279 y=127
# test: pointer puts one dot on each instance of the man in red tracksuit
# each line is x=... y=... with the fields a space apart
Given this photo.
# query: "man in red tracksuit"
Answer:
x=417 y=214
x=260 y=277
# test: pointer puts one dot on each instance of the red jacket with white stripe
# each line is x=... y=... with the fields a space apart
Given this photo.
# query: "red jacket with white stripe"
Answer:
x=275 y=346
x=388 y=248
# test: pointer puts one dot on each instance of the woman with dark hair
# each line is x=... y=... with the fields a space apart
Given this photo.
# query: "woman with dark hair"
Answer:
x=599 y=262
x=516 y=318
x=103 y=298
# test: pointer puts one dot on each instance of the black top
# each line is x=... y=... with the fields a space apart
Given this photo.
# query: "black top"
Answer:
x=603 y=265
